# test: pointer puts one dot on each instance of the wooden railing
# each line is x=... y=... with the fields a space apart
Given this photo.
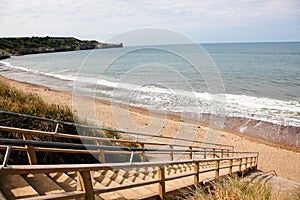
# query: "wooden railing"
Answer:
x=84 y=170
x=220 y=159
x=27 y=134
x=247 y=161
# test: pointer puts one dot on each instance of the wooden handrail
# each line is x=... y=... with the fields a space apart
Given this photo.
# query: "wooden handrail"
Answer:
x=85 y=169
x=92 y=138
x=107 y=129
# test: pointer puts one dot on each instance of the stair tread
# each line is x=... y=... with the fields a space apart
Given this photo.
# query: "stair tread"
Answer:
x=14 y=186
x=43 y=184
x=64 y=181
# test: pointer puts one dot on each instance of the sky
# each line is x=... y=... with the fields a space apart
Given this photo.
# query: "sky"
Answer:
x=201 y=20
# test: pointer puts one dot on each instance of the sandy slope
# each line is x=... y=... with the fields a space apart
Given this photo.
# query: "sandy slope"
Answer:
x=284 y=163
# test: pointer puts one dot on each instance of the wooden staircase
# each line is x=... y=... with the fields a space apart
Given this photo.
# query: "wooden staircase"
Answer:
x=196 y=162
x=66 y=185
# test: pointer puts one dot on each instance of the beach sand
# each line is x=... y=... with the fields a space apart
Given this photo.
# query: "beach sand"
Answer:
x=285 y=163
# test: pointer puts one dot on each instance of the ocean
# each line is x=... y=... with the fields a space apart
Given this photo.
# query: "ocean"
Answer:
x=250 y=80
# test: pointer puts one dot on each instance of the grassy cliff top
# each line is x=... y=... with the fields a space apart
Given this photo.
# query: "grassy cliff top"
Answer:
x=29 y=45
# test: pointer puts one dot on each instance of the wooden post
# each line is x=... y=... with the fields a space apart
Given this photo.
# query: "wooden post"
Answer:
x=217 y=170
x=230 y=167
x=240 y=166
x=255 y=163
x=191 y=153
x=101 y=156
x=171 y=153
x=86 y=184
x=30 y=151
x=143 y=152
x=246 y=164
x=204 y=156
x=162 y=184
x=196 y=176
x=222 y=153
x=214 y=153
x=251 y=164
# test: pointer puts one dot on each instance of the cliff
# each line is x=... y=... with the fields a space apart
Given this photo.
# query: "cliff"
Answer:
x=33 y=45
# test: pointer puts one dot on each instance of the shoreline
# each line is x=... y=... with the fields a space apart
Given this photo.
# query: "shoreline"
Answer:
x=276 y=157
x=279 y=136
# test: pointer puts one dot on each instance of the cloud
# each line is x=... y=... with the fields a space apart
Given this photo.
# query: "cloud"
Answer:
x=104 y=19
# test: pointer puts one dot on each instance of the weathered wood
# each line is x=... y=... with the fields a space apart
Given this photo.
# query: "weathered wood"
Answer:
x=217 y=169
x=230 y=167
x=101 y=156
x=162 y=183
x=143 y=157
x=204 y=156
x=171 y=153
x=196 y=176
x=191 y=153
x=214 y=153
x=240 y=165
x=86 y=184
x=30 y=150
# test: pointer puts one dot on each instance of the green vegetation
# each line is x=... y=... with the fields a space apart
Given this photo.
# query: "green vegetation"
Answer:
x=16 y=101
x=236 y=189
x=30 y=45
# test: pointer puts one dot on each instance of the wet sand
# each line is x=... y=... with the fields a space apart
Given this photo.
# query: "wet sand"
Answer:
x=273 y=156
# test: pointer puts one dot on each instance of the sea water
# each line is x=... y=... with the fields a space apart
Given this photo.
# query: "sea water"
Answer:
x=260 y=80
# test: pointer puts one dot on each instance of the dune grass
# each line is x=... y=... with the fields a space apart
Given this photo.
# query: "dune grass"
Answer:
x=234 y=188
x=17 y=101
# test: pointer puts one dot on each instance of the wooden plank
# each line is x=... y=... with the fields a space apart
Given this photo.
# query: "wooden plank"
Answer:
x=63 y=180
x=217 y=170
x=43 y=184
x=162 y=183
x=62 y=196
x=230 y=167
x=30 y=150
x=196 y=176
x=86 y=184
x=14 y=186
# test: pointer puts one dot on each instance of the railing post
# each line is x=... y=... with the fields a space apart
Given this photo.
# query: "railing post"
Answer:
x=86 y=184
x=240 y=166
x=251 y=164
x=143 y=152
x=204 y=156
x=162 y=184
x=191 y=153
x=196 y=176
x=171 y=153
x=230 y=167
x=101 y=153
x=217 y=170
x=255 y=162
x=214 y=153
x=246 y=163
x=30 y=150
x=222 y=153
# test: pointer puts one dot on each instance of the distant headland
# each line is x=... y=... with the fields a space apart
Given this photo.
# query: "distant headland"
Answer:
x=32 y=45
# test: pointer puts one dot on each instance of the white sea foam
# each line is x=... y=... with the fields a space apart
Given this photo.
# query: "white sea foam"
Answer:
x=277 y=111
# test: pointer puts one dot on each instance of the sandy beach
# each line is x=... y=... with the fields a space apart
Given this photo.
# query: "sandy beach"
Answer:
x=283 y=162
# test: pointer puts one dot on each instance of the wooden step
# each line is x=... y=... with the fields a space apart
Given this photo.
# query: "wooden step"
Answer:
x=64 y=181
x=43 y=184
x=14 y=187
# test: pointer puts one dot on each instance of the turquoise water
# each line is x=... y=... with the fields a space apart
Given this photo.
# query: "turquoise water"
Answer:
x=260 y=80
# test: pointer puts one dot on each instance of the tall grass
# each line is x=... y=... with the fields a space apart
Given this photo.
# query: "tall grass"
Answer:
x=237 y=189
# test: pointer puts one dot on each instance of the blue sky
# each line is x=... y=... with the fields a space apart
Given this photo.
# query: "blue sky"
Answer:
x=203 y=21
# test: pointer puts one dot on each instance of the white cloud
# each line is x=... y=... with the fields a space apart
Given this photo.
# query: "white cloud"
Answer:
x=103 y=19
